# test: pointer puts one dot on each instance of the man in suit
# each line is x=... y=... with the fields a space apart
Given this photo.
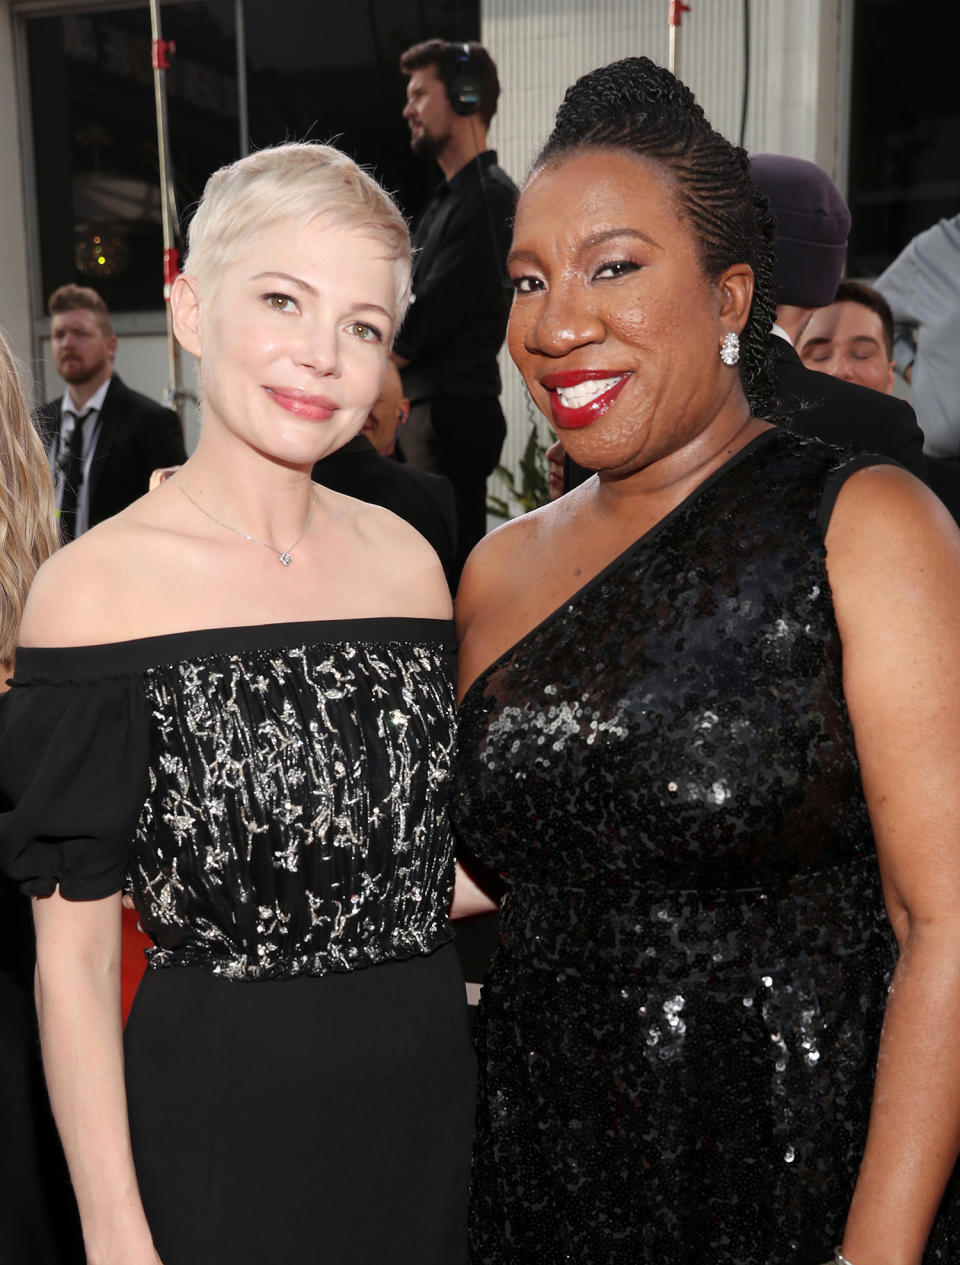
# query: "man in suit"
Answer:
x=813 y=222
x=853 y=339
x=102 y=438
x=422 y=499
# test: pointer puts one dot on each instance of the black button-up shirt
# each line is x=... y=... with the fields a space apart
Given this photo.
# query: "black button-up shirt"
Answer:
x=456 y=323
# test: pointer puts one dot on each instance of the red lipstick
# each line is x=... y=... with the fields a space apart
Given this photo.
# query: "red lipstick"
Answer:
x=570 y=415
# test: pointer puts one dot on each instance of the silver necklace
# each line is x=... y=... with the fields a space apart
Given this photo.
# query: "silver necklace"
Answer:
x=285 y=557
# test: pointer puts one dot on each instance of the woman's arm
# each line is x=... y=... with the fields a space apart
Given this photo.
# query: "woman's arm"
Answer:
x=78 y=1003
x=894 y=566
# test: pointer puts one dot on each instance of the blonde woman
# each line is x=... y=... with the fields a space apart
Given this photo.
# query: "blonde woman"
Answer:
x=28 y=529
x=36 y=1212
x=238 y=704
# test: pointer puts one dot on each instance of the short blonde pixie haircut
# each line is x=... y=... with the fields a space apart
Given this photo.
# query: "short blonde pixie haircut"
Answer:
x=298 y=182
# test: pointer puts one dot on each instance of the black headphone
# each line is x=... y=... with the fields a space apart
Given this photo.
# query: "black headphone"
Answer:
x=465 y=92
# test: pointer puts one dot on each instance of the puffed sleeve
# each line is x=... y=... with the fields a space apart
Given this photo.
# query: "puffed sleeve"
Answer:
x=74 y=761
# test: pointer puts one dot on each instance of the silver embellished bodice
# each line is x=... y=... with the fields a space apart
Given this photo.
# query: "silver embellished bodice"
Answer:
x=289 y=786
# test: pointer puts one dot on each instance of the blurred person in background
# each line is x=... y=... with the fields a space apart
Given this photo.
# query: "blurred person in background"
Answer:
x=852 y=338
x=813 y=223
x=38 y=1215
x=447 y=346
x=922 y=286
x=103 y=439
x=386 y=418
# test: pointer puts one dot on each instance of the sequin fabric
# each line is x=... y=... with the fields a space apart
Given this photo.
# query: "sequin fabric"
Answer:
x=296 y=821
x=679 y=1028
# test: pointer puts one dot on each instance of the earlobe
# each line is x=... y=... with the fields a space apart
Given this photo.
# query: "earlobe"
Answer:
x=736 y=295
x=185 y=310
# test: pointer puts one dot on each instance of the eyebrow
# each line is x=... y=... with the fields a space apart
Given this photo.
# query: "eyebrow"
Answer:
x=620 y=232
x=595 y=239
x=815 y=342
x=285 y=276
x=309 y=289
x=827 y=342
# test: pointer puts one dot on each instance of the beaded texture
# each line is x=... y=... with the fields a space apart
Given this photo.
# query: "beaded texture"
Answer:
x=276 y=807
x=678 y=1032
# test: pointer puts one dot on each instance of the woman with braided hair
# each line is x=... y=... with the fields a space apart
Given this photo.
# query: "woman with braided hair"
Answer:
x=708 y=748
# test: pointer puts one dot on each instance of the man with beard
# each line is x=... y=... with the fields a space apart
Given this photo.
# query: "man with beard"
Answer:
x=447 y=347
x=102 y=438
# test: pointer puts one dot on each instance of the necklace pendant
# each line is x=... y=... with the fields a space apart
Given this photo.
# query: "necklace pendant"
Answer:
x=285 y=559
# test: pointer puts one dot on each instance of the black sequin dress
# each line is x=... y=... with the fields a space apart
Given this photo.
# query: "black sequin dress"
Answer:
x=678 y=1032
x=299 y=1071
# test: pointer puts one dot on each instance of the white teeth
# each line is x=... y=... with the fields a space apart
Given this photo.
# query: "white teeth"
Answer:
x=584 y=392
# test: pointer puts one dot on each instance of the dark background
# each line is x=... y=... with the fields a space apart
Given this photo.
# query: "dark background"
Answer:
x=314 y=71
x=905 y=126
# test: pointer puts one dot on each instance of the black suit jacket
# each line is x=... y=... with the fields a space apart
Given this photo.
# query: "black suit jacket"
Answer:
x=423 y=500
x=137 y=435
x=841 y=412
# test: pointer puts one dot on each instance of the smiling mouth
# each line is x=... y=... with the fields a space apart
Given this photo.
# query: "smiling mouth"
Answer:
x=578 y=399
x=315 y=408
x=585 y=392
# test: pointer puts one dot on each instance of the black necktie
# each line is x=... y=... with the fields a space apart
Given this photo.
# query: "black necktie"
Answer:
x=71 y=465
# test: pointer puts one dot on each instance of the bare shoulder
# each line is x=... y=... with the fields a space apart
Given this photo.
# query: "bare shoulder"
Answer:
x=893 y=557
x=78 y=596
x=500 y=561
x=883 y=515
x=402 y=564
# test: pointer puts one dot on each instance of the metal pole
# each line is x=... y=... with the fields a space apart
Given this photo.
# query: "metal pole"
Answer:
x=243 y=112
x=675 y=16
x=168 y=203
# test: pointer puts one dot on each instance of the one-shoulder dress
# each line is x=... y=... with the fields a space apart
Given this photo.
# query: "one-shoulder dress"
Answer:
x=298 y=1063
x=678 y=1033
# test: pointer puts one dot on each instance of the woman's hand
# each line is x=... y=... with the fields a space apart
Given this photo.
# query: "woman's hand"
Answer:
x=470 y=900
x=893 y=557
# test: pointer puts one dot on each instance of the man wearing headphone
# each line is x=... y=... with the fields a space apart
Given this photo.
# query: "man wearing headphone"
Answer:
x=447 y=347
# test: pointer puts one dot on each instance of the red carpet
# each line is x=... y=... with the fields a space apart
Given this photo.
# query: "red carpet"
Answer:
x=133 y=961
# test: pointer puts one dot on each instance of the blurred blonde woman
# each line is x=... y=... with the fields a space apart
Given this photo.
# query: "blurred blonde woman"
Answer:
x=28 y=529
x=37 y=1216
x=238 y=705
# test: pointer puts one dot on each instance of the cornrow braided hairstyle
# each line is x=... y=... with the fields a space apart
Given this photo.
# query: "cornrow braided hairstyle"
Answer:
x=638 y=106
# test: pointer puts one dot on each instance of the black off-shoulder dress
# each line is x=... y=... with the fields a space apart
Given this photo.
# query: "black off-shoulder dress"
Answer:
x=299 y=1074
